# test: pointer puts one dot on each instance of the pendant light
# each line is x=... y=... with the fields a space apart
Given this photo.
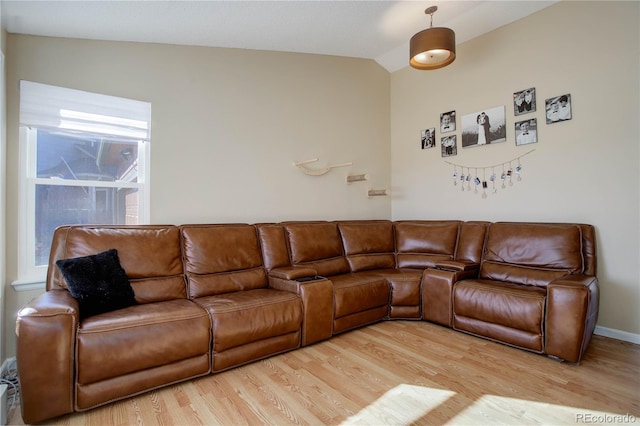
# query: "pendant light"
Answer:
x=432 y=48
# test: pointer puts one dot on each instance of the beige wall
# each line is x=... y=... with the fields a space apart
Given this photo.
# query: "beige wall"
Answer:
x=227 y=126
x=225 y=132
x=582 y=170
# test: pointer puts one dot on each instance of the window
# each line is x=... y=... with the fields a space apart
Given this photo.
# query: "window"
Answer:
x=84 y=160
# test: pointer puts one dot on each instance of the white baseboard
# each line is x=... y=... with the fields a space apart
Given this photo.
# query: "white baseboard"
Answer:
x=617 y=334
x=4 y=412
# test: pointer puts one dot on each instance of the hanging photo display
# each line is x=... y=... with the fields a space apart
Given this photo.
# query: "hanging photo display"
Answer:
x=428 y=138
x=484 y=127
x=487 y=178
x=526 y=131
x=558 y=108
x=524 y=101
x=487 y=127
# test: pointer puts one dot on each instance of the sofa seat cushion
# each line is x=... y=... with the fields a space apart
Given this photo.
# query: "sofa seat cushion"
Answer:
x=249 y=316
x=511 y=313
x=404 y=285
x=405 y=298
x=358 y=292
x=140 y=338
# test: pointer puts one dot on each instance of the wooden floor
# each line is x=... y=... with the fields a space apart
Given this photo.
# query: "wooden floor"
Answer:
x=396 y=373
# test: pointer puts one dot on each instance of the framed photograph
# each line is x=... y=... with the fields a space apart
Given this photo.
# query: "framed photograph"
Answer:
x=524 y=101
x=428 y=138
x=484 y=127
x=526 y=132
x=449 y=146
x=558 y=108
x=448 y=122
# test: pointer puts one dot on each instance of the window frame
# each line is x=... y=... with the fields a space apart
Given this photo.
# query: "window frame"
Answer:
x=31 y=276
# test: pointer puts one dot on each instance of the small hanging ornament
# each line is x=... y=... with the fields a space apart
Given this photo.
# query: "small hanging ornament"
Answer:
x=493 y=180
x=477 y=182
x=503 y=177
x=484 y=183
x=455 y=176
x=510 y=174
x=519 y=171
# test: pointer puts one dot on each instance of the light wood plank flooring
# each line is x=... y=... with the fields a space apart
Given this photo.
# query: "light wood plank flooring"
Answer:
x=396 y=373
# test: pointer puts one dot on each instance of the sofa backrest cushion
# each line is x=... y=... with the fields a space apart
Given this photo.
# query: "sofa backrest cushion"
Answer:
x=532 y=253
x=222 y=259
x=273 y=243
x=471 y=241
x=149 y=254
x=421 y=244
x=368 y=244
x=317 y=244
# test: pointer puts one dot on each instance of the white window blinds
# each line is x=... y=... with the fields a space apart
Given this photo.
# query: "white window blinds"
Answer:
x=52 y=107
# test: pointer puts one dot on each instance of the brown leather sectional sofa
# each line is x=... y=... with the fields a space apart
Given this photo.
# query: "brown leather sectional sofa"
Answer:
x=213 y=297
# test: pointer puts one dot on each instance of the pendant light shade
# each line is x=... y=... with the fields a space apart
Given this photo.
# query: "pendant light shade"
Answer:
x=432 y=48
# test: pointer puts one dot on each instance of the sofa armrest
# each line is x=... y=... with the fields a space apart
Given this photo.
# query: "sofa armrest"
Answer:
x=437 y=293
x=317 y=306
x=572 y=311
x=457 y=265
x=46 y=335
x=293 y=272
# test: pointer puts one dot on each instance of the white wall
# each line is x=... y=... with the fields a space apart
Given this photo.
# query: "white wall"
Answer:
x=582 y=170
x=227 y=126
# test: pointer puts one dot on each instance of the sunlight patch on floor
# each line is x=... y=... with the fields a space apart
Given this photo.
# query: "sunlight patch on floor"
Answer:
x=492 y=409
x=408 y=404
x=401 y=405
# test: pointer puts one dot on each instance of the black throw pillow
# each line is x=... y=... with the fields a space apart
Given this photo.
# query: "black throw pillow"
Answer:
x=97 y=282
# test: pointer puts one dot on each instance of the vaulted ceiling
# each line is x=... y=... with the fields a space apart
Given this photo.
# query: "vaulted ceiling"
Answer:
x=378 y=30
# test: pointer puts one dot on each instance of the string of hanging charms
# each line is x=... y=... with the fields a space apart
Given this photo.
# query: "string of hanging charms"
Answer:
x=468 y=175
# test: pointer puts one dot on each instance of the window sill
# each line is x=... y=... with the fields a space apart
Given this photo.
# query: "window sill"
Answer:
x=28 y=284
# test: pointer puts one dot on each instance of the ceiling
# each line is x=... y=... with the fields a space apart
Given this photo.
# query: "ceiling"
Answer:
x=378 y=30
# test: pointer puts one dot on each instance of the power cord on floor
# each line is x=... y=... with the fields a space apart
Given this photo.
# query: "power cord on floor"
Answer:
x=10 y=378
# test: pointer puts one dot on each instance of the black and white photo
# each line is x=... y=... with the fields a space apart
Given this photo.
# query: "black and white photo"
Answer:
x=449 y=146
x=427 y=137
x=558 y=108
x=484 y=127
x=448 y=122
x=524 y=101
x=526 y=131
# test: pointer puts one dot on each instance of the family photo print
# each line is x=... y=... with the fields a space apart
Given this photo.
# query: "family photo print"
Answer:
x=558 y=108
x=484 y=127
x=428 y=138
x=524 y=101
